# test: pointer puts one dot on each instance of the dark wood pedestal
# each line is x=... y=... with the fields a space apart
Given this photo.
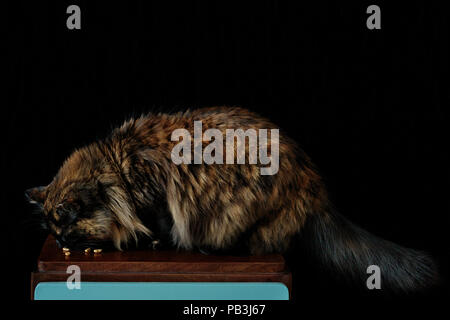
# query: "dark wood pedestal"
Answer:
x=157 y=266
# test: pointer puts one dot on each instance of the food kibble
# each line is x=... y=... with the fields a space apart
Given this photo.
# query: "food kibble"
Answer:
x=97 y=250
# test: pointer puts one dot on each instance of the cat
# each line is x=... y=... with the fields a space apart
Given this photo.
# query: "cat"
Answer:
x=126 y=188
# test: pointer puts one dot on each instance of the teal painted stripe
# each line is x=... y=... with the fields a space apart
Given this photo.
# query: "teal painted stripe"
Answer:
x=163 y=291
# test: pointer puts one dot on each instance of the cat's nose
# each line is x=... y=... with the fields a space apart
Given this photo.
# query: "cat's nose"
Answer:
x=68 y=240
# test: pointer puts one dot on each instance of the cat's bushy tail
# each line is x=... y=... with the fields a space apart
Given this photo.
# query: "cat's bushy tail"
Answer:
x=347 y=250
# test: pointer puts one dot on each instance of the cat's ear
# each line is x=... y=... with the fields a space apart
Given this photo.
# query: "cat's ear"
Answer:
x=36 y=195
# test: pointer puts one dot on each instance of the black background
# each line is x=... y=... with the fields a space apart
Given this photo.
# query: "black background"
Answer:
x=369 y=106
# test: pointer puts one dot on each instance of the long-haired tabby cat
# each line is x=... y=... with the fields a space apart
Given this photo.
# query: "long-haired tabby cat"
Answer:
x=127 y=188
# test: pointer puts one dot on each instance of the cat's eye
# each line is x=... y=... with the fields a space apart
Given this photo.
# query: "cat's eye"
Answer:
x=59 y=209
x=66 y=212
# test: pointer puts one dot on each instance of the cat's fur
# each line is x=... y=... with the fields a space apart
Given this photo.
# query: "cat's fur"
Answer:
x=126 y=187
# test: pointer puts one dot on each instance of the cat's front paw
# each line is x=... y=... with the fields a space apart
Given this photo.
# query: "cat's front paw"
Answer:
x=155 y=244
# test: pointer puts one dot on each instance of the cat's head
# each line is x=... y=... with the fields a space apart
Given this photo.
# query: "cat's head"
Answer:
x=86 y=204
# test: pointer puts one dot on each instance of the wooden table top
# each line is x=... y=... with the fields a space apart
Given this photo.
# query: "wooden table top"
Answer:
x=52 y=259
